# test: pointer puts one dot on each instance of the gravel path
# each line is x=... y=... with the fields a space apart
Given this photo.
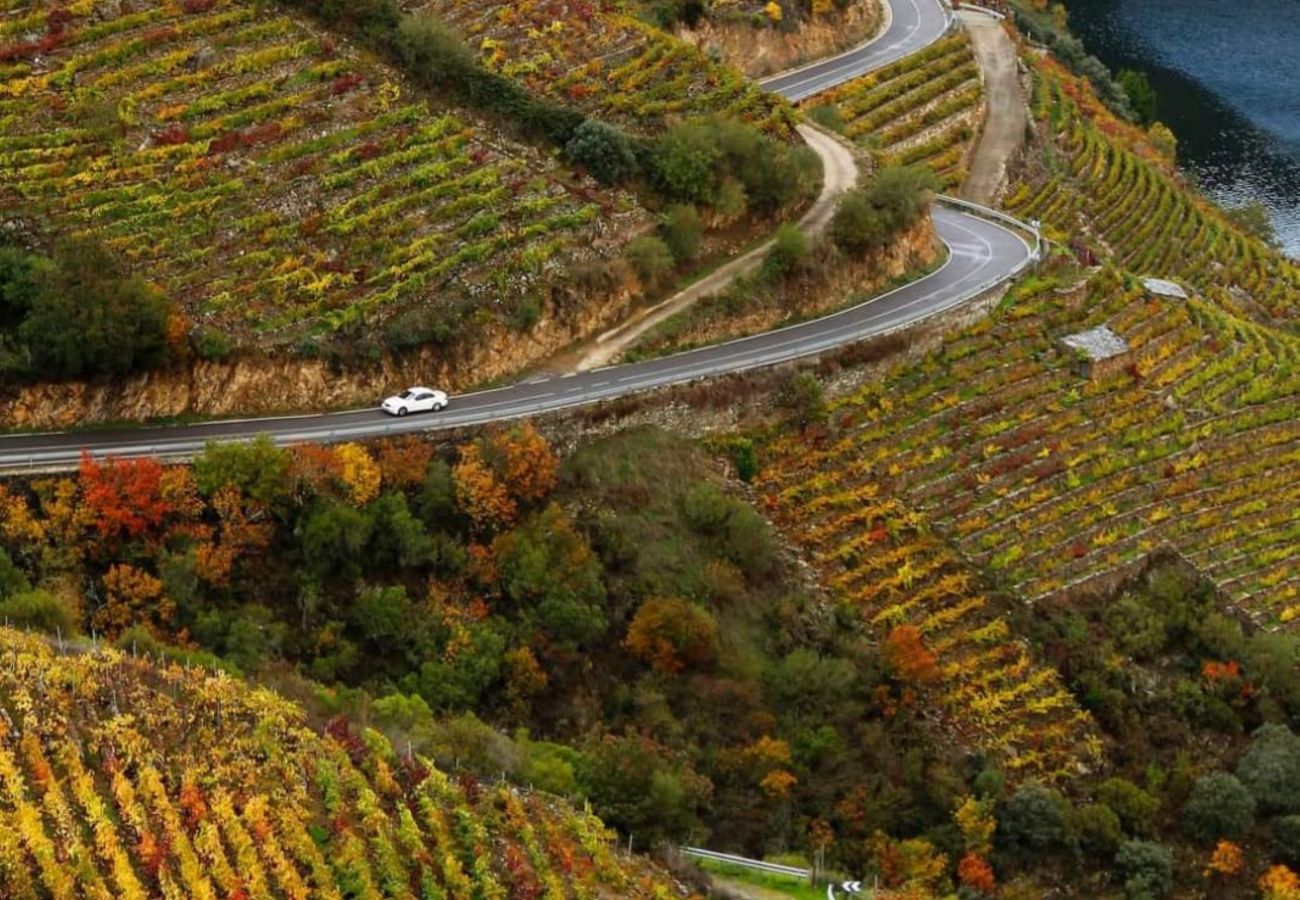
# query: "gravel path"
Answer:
x=1004 y=126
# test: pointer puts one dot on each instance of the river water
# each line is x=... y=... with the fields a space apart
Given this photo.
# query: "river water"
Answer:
x=1228 y=77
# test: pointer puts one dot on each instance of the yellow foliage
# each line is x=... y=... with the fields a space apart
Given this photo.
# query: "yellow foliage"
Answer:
x=773 y=10
x=359 y=473
x=1280 y=883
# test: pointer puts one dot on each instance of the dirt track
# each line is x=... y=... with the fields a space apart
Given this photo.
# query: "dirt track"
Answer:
x=839 y=173
x=1004 y=127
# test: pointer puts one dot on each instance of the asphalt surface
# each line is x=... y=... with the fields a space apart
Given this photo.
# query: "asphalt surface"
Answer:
x=913 y=24
x=982 y=254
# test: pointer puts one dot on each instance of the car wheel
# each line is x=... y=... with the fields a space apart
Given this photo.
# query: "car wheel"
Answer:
x=401 y=411
x=439 y=407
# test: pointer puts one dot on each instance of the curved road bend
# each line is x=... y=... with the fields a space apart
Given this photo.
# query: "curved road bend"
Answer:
x=981 y=255
x=913 y=24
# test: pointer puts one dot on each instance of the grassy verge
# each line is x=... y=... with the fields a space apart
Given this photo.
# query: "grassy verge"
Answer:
x=767 y=883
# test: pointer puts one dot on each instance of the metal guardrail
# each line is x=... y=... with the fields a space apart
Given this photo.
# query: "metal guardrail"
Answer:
x=983 y=9
x=745 y=862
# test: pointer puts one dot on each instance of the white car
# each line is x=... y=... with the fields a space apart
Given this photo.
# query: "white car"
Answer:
x=413 y=400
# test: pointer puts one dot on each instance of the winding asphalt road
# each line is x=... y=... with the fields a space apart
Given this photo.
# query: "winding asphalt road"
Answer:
x=912 y=24
x=982 y=254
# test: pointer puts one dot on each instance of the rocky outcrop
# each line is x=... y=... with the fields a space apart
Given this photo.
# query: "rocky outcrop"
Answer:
x=760 y=48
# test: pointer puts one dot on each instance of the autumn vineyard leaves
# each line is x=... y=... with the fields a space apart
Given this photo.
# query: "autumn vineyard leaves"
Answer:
x=273 y=179
x=122 y=779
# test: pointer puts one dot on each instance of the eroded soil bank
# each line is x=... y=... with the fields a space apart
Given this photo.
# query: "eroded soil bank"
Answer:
x=761 y=49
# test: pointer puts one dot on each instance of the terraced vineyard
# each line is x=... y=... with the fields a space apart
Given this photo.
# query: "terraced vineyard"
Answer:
x=595 y=56
x=1092 y=184
x=924 y=109
x=880 y=560
x=270 y=178
x=208 y=789
x=1050 y=481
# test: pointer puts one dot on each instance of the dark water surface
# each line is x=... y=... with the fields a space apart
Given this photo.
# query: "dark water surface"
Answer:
x=1228 y=76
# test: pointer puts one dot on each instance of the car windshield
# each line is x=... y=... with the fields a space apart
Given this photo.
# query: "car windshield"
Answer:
x=407 y=394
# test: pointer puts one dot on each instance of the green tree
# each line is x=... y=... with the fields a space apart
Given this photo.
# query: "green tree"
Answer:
x=1270 y=769
x=258 y=468
x=460 y=681
x=90 y=318
x=383 y=616
x=1136 y=808
x=1286 y=839
x=682 y=230
x=806 y=401
x=789 y=253
x=1032 y=821
x=1097 y=828
x=549 y=571
x=1219 y=807
x=869 y=217
x=12 y=579
x=686 y=161
x=1147 y=869
x=397 y=538
x=1255 y=219
x=40 y=610
x=602 y=150
x=638 y=787
x=1141 y=96
x=651 y=259
x=333 y=537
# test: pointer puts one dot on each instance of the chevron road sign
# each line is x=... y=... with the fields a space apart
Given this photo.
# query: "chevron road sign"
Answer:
x=846 y=888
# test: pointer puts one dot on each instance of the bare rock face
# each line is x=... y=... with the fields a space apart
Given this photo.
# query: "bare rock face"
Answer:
x=205 y=57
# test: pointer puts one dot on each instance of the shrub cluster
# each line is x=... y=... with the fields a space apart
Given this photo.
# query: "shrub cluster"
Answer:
x=77 y=314
x=871 y=216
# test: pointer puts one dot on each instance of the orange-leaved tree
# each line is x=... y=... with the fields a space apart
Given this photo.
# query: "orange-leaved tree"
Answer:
x=132 y=597
x=479 y=493
x=125 y=496
x=404 y=461
x=670 y=635
x=524 y=462
x=975 y=873
x=908 y=657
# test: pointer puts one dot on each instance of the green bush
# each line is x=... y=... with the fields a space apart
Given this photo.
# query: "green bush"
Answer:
x=1138 y=627
x=1136 y=808
x=258 y=468
x=803 y=397
x=692 y=162
x=12 y=579
x=1032 y=821
x=1219 y=807
x=1286 y=839
x=651 y=260
x=78 y=314
x=40 y=610
x=744 y=458
x=1270 y=769
x=682 y=230
x=1147 y=869
x=869 y=217
x=789 y=253
x=603 y=150
x=827 y=115
x=1097 y=828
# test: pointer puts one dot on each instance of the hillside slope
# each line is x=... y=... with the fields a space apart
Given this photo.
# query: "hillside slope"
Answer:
x=1099 y=183
x=274 y=181
x=118 y=779
x=606 y=62
x=922 y=110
